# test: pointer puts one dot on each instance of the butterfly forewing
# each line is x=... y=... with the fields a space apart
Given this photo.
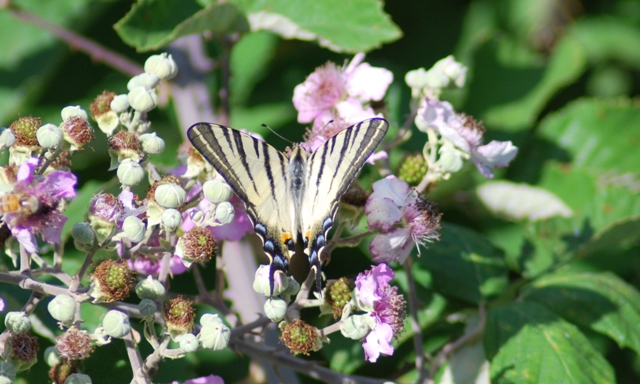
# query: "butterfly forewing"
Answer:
x=257 y=173
x=281 y=205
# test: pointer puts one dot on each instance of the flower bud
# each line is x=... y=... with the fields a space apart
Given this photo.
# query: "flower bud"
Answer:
x=7 y=372
x=116 y=324
x=416 y=80
x=224 y=213
x=49 y=136
x=51 y=356
x=275 y=309
x=78 y=378
x=171 y=219
x=262 y=285
x=450 y=158
x=7 y=138
x=134 y=228
x=146 y=80
x=210 y=318
x=143 y=99
x=120 y=103
x=170 y=195
x=188 y=342
x=130 y=172
x=436 y=79
x=74 y=110
x=356 y=327
x=217 y=191
x=150 y=288
x=454 y=70
x=17 y=322
x=214 y=336
x=161 y=65
x=62 y=308
x=151 y=143
x=292 y=288
x=147 y=307
x=83 y=233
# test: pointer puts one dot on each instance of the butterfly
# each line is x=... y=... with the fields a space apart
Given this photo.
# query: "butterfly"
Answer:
x=289 y=198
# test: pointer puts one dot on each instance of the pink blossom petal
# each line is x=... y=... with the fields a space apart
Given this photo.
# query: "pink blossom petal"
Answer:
x=382 y=213
x=321 y=91
x=25 y=238
x=497 y=153
x=211 y=379
x=378 y=341
x=238 y=227
x=26 y=170
x=60 y=184
x=391 y=188
x=380 y=155
x=393 y=245
x=369 y=83
x=51 y=232
x=176 y=266
x=352 y=111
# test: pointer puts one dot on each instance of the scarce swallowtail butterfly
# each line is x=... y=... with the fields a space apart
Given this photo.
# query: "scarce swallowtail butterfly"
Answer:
x=289 y=198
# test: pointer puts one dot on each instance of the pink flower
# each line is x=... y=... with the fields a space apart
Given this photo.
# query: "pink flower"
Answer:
x=150 y=265
x=106 y=207
x=39 y=204
x=211 y=379
x=404 y=217
x=341 y=94
x=382 y=301
x=465 y=134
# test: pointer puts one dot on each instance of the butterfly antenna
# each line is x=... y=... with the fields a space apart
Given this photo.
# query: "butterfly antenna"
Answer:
x=320 y=131
x=277 y=134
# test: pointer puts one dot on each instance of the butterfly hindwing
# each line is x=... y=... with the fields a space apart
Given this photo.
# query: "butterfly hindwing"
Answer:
x=331 y=170
x=257 y=173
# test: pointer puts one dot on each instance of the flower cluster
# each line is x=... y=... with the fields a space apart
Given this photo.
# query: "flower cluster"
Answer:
x=339 y=94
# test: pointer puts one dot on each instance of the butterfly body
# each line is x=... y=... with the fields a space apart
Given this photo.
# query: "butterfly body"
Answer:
x=289 y=197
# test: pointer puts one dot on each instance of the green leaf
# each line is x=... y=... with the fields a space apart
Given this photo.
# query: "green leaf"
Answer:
x=342 y=26
x=597 y=134
x=152 y=24
x=248 y=64
x=526 y=343
x=520 y=201
x=465 y=265
x=566 y=65
x=607 y=38
x=600 y=301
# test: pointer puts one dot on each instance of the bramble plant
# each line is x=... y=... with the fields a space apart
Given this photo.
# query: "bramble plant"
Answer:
x=493 y=236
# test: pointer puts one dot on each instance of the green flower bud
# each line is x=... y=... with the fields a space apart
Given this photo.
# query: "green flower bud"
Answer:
x=119 y=104
x=188 y=342
x=7 y=372
x=49 y=136
x=143 y=99
x=292 y=288
x=74 y=110
x=356 y=327
x=210 y=318
x=134 y=228
x=150 y=288
x=224 y=213
x=147 y=80
x=151 y=143
x=83 y=233
x=51 y=357
x=78 y=378
x=130 y=172
x=116 y=324
x=197 y=216
x=416 y=80
x=17 y=322
x=161 y=65
x=262 y=285
x=275 y=309
x=171 y=219
x=7 y=138
x=214 y=336
x=217 y=191
x=62 y=308
x=147 y=307
x=170 y=195
x=450 y=158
